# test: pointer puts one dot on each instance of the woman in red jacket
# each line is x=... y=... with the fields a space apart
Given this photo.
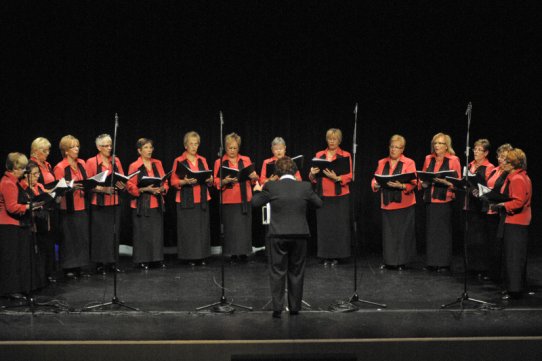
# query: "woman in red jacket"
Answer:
x=39 y=151
x=193 y=219
x=495 y=181
x=333 y=218
x=104 y=208
x=148 y=207
x=398 y=202
x=236 y=197
x=17 y=254
x=517 y=217
x=438 y=197
x=74 y=241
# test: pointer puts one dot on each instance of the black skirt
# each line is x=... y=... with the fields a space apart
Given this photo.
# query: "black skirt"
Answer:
x=495 y=245
x=516 y=238
x=18 y=261
x=237 y=230
x=438 y=234
x=148 y=236
x=103 y=246
x=334 y=227
x=478 y=250
x=193 y=233
x=74 y=244
x=398 y=236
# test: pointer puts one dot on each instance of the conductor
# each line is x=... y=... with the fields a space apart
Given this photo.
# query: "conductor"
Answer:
x=288 y=232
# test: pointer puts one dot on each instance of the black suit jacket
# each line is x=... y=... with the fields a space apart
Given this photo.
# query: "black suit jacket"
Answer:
x=289 y=199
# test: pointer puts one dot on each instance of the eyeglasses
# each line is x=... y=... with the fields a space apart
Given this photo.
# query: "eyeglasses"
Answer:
x=106 y=146
x=395 y=147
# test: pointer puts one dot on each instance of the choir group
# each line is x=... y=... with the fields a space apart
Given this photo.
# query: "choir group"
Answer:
x=82 y=217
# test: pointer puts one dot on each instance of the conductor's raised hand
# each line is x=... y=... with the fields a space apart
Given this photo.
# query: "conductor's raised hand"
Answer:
x=257 y=187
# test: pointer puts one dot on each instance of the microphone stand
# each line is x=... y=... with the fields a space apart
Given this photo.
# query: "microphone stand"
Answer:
x=351 y=303
x=222 y=306
x=114 y=300
x=465 y=295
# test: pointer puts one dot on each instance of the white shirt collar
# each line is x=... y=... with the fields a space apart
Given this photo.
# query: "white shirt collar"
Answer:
x=289 y=176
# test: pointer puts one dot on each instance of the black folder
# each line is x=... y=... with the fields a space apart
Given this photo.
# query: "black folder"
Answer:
x=201 y=175
x=146 y=181
x=270 y=167
x=491 y=195
x=430 y=176
x=121 y=177
x=403 y=178
x=241 y=175
x=340 y=165
x=461 y=183
x=93 y=181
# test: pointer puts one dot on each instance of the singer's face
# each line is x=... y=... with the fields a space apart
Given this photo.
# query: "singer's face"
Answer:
x=73 y=150
x=440 y=146
x=146 y=151
x=502 y=159
x=232 y=149
x=333 y=142
x=396 y=149
x=43 y=153
x=278 y=150
x=479 y=153
x=192 y=145
x=32 y=177
x=106 y=147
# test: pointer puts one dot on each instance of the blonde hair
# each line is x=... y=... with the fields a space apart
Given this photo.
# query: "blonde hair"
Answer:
x=189 y=135
x=39 y=143
x=336 y=132
x=447 y=140
x=66 y=143
x=16 y=161
x=233 y=136
x=506 y=147
x=517 y=158
x=398 y=138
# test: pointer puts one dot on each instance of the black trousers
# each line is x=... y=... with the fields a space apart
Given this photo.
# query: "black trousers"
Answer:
x=286 y=258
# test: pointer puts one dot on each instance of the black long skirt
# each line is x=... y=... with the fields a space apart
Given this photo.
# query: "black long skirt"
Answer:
x=193 y=233
x=398 y=236
x=74 y=243
x=18 y=261
x=333 y=228
x=237 y=230
x=515 y=238
x=478 y=250
x=148 y=236
x=103 y=245
x=496 y=246
x=438 y=234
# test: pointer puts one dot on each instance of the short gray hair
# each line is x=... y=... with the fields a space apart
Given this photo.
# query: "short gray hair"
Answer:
x=277 y=141
x=100 y=138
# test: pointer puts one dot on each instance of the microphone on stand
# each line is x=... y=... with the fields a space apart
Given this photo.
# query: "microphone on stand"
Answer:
x=116 y=120
x=467 y=112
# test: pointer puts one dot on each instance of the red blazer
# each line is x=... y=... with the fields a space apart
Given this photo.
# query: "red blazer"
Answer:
x=486 y=163
x=132 y=188
x=453 y=164
x=518 y=210
x=408 y=197
x=9 y=197
x=232 y=195
x=78 y=195
x=176 y=182
x=328 y=186
x=263 y=173
x=92 y=169
x=46 y=171
x=491 y=184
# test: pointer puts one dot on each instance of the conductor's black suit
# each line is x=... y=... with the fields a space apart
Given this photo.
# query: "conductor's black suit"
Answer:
x=287 y=237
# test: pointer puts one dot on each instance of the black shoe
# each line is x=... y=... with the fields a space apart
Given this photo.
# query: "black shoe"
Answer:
x=203 y=263
x=70 y=275
x=334 y=262
x=115 y=269
x=512 y=296
x=144 y=266
x=17 y=296
x=443 y=269
x=326 y=262
x=430 y=268
x=387 y=267
x=234 y=258
x=51 y=279
x=162 y=265
x=100 y=270
x=294 y=313
x=192 y=264
x=401 y=267
x=276 y=314
x=243 y=258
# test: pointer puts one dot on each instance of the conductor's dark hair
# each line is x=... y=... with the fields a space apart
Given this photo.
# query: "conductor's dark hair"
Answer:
x=285 y=165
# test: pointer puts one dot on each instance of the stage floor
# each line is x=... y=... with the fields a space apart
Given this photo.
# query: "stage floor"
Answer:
x=167 y=300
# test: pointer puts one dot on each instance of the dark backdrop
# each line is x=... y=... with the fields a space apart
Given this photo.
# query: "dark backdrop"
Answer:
x=275 y=68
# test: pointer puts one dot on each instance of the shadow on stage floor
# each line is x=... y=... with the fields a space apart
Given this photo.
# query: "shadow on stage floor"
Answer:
x=167 y=300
